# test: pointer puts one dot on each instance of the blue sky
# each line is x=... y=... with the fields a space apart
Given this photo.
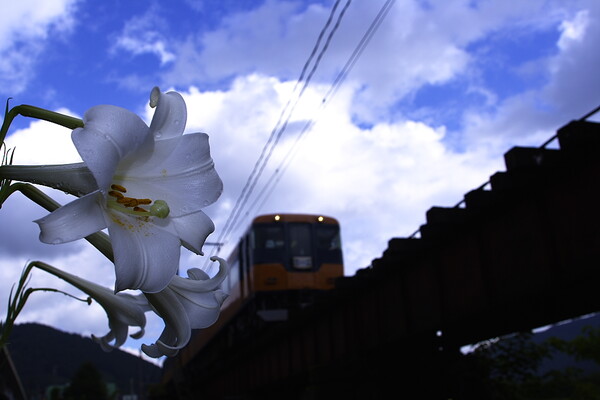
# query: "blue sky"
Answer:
x=440 y=92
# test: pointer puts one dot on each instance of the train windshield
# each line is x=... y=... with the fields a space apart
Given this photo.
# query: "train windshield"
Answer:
x=300 y=240
x=269 y=237
x=298 y=246
x=328 y=237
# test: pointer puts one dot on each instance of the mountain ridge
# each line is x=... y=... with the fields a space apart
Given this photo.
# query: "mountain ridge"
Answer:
x=45 y=356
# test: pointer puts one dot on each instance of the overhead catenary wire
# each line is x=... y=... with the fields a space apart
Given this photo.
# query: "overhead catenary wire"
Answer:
x=277 y=130
x=308 y=79
x=360 y=47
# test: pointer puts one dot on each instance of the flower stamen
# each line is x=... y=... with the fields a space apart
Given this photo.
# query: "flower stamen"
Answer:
x=115 y=194
x=120 y=188
x=131 y=205
x=126 y=200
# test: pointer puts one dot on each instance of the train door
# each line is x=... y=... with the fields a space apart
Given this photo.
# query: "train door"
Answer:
x=300 y=246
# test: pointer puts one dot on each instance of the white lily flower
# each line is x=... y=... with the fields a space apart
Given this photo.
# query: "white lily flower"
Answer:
x=152 y=183
x=123 y=310
x=186 y=304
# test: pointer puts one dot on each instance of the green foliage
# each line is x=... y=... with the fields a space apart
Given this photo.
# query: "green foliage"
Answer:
x=584 y=347
x=509 y=367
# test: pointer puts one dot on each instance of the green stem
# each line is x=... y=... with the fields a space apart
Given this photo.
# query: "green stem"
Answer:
x=39 y=113
x=21 y=295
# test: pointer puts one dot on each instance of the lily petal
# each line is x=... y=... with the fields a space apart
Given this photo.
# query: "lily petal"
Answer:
x=187 y=303
x=180 y=171
x=192 y=230
x=75 y=220
x=123 y=310
x=177 y=325
x=197 y=284
x=101 y=142
x=170 y=116
x=202 y=308
x=146 y=257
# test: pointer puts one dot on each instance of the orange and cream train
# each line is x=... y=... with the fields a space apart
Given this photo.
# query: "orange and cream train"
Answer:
x=278 y=264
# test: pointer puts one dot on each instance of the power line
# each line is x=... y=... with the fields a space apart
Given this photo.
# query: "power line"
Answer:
x=364 y=41
x=234 y=220
x=308 y=79
x=279 y=127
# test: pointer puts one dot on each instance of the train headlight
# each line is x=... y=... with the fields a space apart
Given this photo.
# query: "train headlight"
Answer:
x=320 y=219
x=277 y=217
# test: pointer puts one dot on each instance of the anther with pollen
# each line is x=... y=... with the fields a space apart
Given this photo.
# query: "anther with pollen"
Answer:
x=117 y=192
x=119 y=188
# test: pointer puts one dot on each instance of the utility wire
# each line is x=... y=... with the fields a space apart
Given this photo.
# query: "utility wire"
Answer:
x=364 y=41
x=308 y=79
x=275 y=133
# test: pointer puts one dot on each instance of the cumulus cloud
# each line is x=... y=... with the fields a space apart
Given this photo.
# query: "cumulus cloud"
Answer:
x=143 y=35
x=43 y=142
x=24 y=29
x=378 y=182
x=570 y=90
x=575 y=84
x=418 y=44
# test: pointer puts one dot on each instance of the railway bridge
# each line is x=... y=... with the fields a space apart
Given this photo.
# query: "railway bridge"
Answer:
x=519 y=252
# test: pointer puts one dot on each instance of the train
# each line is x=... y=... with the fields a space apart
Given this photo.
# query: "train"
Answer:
x=282 y=259
x=281 y=262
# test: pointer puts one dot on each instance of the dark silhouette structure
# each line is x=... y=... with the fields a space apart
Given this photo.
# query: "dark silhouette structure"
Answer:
x=519 y=252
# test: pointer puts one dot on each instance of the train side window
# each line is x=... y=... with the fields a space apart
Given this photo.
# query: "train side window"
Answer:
x=328 y=237
x=234 y=274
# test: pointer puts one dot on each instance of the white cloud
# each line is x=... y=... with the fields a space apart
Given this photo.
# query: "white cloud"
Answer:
x=43 y=142
x=142 y=35
x=418 y=44
x=25 y=26
x=571 y=90
x=378 y=182
x=575 y=83
x=573 y=30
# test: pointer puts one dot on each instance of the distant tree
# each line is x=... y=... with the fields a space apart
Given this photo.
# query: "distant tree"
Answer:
x=87 y=384
x=583 y=347
x=511 y=366
x=508 y=368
